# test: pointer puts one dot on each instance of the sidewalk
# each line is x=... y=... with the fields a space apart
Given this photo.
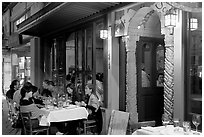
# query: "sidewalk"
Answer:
x=6 y=124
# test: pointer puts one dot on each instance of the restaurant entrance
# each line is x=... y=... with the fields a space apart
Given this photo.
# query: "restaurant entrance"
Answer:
x=150 y=74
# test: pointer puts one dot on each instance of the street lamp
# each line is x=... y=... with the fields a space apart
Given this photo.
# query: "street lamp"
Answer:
x=170 y=20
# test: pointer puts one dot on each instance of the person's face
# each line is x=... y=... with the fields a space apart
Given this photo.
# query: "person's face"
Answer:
x=161 y=78
x=87 y=90
x=36 y=94
x=44 y=85
x=17 y=86
x=29 y=94
x=69 y=90
x=50 y=87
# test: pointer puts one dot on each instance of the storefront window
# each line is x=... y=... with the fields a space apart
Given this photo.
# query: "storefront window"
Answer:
x=23 y=70
x=70 y=54
x=194 y=68
x=99 y=60
x=84 y=59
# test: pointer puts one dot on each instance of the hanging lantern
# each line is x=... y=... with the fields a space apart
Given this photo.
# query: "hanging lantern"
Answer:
x=193 y=24
x=103 y=34
x=170 y=19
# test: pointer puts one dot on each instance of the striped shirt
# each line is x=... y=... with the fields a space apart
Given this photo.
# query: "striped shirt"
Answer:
x=29 y=106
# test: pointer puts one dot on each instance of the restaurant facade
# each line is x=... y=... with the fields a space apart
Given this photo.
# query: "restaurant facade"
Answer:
x=114 y=42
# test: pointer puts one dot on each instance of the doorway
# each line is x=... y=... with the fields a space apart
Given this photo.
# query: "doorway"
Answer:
x=150 y=74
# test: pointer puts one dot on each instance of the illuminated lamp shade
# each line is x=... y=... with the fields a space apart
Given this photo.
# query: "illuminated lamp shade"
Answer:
x=193 y=24
x=170 y=19
x=103 y=34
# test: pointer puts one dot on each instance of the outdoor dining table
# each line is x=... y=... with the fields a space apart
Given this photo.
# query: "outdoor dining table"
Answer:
x=162 y=130
x=69 y=113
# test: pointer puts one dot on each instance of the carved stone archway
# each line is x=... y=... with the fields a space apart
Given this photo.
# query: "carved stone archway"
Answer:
x=134 y=28
x=140 y=24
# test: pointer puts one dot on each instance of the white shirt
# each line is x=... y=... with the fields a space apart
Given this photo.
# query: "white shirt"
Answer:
x=17 y=97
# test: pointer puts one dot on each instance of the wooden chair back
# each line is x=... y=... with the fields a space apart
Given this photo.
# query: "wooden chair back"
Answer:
x=106 y=114
x=118 y=123
x=27 y=126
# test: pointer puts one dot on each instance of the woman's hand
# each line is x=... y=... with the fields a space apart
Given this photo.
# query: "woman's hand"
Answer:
x=83 y=104
x=89 y=111
x=47 y=113
x=77 y=103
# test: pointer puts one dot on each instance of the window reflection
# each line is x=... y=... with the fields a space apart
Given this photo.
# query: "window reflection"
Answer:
x=99 y=61
x=146 y=58
x=196 y=57
x=81 y=55
x=194 y=67
x=160 y=65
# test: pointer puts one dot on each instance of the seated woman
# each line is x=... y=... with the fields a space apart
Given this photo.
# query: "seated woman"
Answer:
x=93 y=107
x=160 y=80
x=54 y=89
x=36 y=97
x=27 y=105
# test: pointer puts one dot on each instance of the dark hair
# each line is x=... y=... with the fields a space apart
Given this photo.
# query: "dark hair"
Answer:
x=27 y=87
x=27 y=84
x=46 y=81
x=34 y=89
x=13 y=83
x=51 y=83
x=160 y=74
x=73 y=79
x=68 y=77
x=89 y=77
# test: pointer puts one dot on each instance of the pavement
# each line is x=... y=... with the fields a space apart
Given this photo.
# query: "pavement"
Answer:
x=6 y=124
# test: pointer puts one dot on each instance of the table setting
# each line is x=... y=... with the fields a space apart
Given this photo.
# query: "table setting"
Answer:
x=174 y=127
x=60 y=110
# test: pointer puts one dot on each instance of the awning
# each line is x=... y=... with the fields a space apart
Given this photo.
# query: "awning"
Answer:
x=58 y=16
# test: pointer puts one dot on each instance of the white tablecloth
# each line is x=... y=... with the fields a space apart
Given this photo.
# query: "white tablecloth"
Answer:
x=161 y=130
x=64 y=114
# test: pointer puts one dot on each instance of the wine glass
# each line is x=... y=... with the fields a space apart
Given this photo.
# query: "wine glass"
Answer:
x=186 y=127
x=165 y=120
x=176 y=124
x=196 y=121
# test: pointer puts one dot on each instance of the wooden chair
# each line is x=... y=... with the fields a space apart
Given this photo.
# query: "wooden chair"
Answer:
x=106 y=114
x=27 y=125
x=118 y=123
x=90 y=125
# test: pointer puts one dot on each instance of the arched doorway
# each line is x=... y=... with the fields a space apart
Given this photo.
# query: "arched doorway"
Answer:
x=151 y=29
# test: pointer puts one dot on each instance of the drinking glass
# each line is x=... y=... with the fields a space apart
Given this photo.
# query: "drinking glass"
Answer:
x=196 y=121
x=186 y=127
x=165 y=120
x=60 y=104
